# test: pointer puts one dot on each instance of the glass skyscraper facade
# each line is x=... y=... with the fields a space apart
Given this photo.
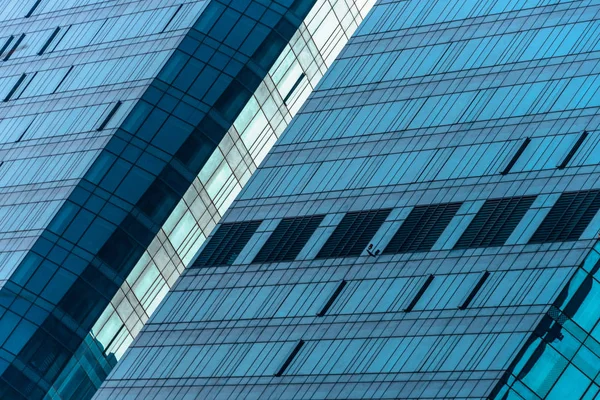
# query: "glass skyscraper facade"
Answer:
x=426 y=227
x=127 y=128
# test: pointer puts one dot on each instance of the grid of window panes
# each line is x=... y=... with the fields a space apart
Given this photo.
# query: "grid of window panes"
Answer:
x=71 y=72
x=561 y=359
x=135 y=98
x=301 y=64
x=490 y=105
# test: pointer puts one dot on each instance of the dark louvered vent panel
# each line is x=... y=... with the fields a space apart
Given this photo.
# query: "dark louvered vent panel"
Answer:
x=226 y=244
x=288 y=239
x=495 y=222
x=569 y=217
x=422 y=228
x=353 y=234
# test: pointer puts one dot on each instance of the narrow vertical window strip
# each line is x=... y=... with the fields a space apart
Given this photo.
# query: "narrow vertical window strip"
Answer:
x=63 y=79
x=290 y=358
x=49 y=41
x=111 y=114
x=516 y=156
x=56 y=42
x=419 y=294
x=14 y=48
x=15 y=87
x=25 y=131
x=22 y=89
x=333 y=298
x=93 y=39
x=574 y=149
x=110 y=343
x=32 y=10
x=476 y=289
x=8 y=42
x=294 y=87
x=172 y=18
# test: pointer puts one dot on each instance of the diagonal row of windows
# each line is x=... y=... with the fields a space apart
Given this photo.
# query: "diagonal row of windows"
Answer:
x=12 y=43
x=83 y=34
x=402 y=294
x=563 y=164
x=400 y=165
x=341 y=356
x=493 y=224
x=398 y=354
x=397 y=295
